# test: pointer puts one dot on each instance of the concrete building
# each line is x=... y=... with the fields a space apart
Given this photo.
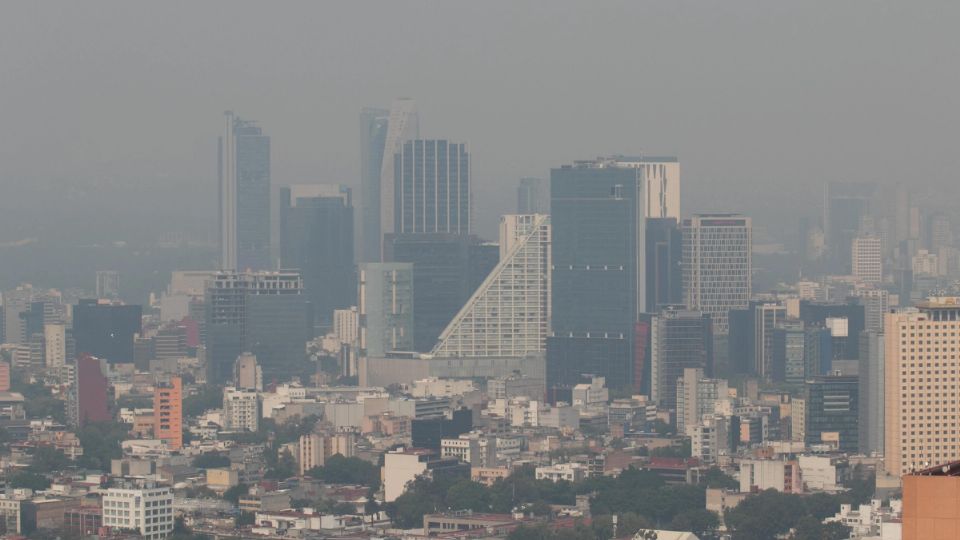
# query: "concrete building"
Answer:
x=697 y=396
x=717 y=267
x=474 y=448
x=248 y=374
x=404 y=465
x=168 y=413
x=679 y=339
x=241 y=410
x=872 y=379
x=762 y=474
x=820 y=473
x=149 y=511
x=920 y=419
x=867 y=259
x=55 y=345
x=432 y=188
x=570 y=472
x=832 y=412
x=930 y=510
x=108 y=284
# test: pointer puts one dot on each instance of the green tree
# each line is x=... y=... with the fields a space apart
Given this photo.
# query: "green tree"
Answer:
x=48 y=459
x=344 y=470
x=234 y=493
x=716 y=478
x=101 y=443
x=205 y=398
x=245 y=519
x=407 y=510
x=29 y=480
x=468 y=495
x=809 y=528
x=695 y=520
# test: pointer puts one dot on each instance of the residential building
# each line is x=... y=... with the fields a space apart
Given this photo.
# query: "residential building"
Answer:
x=244 y=162
x=762 y=474
x=168 y=413
x=386 y=308
x=697 y=396
x=55 y=345
x=148 y=510
x=404 y=465
x=509 y=314
x=474 y=448
x=920 y=419
x=570 y=472
x=241 y=410
x=929 y=507
x=316 y=237
x=88 y=394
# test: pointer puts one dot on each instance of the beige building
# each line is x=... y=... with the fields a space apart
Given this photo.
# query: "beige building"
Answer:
x=867 y=260
x=921 y=385
x=222 y=479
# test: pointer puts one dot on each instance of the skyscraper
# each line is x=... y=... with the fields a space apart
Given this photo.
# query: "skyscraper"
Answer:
x=832 y=412
x=533 y=196
x=403 y=124
x=679 y=339
x=244 y=196
x=920 y=386
x=88 y=393
x=108 y=284
x=717 y=265
x=264 y=313
x=432 y=188
x=872 y=394
x=386 y=308
x=867 y=259
x=106 y=330
x=598 y=285
x=664 y=253
x=168 y=413
x=373 y=135
x=316 y=237
x=509 y=314
x=447 y=269
x=846 y=204
x=661 y=183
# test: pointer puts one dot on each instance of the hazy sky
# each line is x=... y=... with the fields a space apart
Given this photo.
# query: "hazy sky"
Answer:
x=105 y=104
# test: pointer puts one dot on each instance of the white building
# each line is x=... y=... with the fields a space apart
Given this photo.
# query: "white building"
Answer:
x=148 y=511
x=717 y=265
x=434 y=386
x=763 y=474
x=571 y=472
x=241 y=410
x=709 y=439
x=509 y=314
x=474 y=448
x=819 y=473
x=346 y=325
x=590 y=395
x=697 y=396
x=867 y=259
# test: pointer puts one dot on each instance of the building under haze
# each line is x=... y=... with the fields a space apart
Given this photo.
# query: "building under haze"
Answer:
x=106 y=330
x=432 y=188
x=108 y=284
x=386 y=308
x=598 y=265
x=679 y=339
x=533 y=196
x=846 y=204
x=264 y=313
x=244 y=196
x=664 y=257
x=509 y=314
x=717 y=265
x=316 y=237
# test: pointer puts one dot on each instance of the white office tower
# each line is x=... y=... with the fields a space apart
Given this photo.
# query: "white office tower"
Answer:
x=920 y=390
x=509 y=314
x=661 y=180
x=875 y=303
x=867 y=259
x=149 y=511
x=717 y=265
x=241 y=410
x=403 y=125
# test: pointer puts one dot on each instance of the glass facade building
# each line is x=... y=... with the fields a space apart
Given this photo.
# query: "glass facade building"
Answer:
x=432 y=187
x=244 y=196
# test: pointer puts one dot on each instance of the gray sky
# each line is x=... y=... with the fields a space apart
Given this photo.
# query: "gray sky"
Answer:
x=106 y=104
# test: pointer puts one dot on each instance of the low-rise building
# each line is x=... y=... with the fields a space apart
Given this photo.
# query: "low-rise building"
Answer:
x=147 y=510
x=571 y=472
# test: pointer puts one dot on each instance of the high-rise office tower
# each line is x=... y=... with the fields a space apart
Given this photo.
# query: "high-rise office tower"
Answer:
x=55 y=346
x=509 y=314
x=664 y=253
x=403 y=124
x=432 y=189
x=374 y=124
x=108 y=284
x=832 y=412
x=386 y=308
x=533 y=196
x=15 y=302
x=920 y=390
x=106 y=330
x=789 y=354
x=316 y=237
x=661 y=183
x=717 y=265
x=696 y=396
x=767 y=317
x=842 y=321
x=168 y=413
x=264 y=313
x=872 y=396
x=244 y=196
x=679 y=339
x=598 y=286
x=867 y=259
x=846 y=204
x=447 y=269
x=875 y=302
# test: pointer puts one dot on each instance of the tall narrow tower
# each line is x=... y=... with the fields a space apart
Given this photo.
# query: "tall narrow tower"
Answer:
x=244 y=195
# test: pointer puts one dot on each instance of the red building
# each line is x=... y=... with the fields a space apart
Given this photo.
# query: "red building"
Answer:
x=90 y=392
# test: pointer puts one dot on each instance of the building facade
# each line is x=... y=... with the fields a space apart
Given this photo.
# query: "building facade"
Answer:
x=679 y=339
x=432 y=188
x=386 y=308
x=168 y=413
x=717 y=267
x=148 y=511
x=244 y=196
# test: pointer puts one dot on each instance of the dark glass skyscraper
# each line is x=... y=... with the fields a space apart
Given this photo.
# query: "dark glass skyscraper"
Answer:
x=598 y=274
x=679 y=339
x=432 y=189
x=264 y=313
x=533 y=196
x=244 y=196
x=106 y=330
x=316 y=237
x=833 y=412
x=447 y=268
x=845 y=206
x=664 y=257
